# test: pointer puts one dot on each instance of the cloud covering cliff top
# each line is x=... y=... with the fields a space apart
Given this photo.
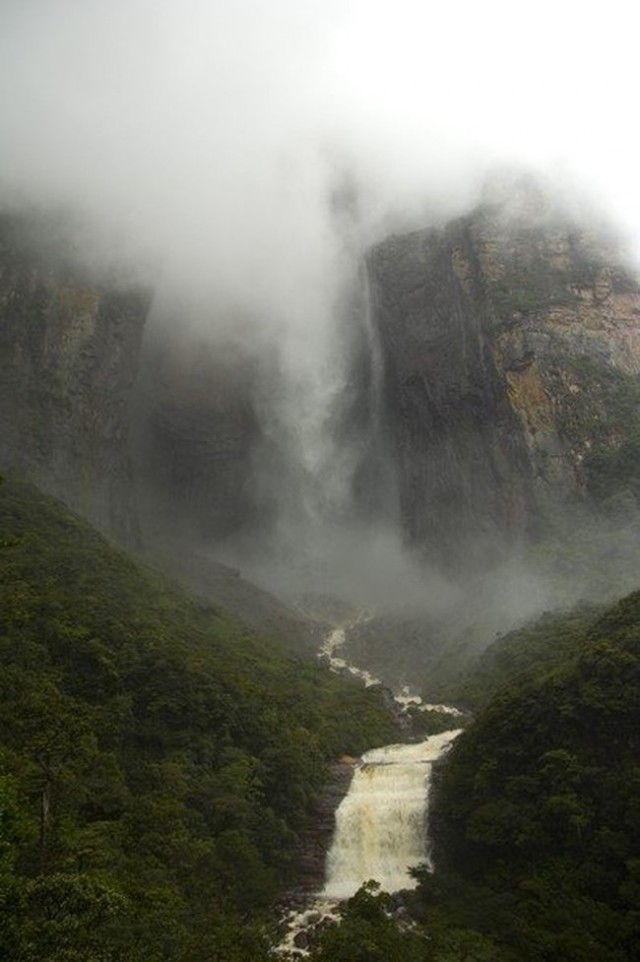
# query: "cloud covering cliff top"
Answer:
x=212 y=133
x=242 y=153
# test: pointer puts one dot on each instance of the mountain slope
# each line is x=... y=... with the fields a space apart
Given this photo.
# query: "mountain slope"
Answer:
x=157 y=758
x=537 y=811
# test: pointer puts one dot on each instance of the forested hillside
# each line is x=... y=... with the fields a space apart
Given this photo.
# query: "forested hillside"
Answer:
x=535 y=816
x=542 y=643
x=157 y=758
x=538 y=809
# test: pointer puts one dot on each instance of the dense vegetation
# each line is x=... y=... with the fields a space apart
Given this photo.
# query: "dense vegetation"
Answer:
x=372 y=931
x=538 y=809
x=545 y=642
x=606 y=430
x=156 y=759
x=536 y=813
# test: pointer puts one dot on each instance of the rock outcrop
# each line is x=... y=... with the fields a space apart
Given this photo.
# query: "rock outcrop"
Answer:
x=148 y=440
x=509 y=393
x=196 y=431
x=70 y=345
x=316 y=838
x=511 y=347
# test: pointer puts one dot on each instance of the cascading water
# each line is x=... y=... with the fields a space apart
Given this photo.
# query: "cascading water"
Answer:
x=320 y=478
x=380 y=824
x=303 y=464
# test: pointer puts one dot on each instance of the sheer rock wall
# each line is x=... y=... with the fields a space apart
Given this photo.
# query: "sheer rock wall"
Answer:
x=511 y=347
x=70 y=345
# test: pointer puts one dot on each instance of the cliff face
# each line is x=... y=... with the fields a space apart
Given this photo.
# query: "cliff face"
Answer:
x=512 y=352
x=197 y=429
x=70 y=349
x=148 y=439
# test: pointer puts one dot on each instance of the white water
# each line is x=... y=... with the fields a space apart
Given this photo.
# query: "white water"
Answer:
x=330 y=653
x=380 y=824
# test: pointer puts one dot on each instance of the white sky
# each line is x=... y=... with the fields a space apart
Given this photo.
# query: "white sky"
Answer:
x=209 y=130
x=552 y=84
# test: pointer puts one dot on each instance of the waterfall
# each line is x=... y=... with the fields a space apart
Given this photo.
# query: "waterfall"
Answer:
x=319 y=475
x=374 y=350
x=381 y=822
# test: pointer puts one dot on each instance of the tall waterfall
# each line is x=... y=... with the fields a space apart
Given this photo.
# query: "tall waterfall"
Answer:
x=380 y=825
x=320 y=474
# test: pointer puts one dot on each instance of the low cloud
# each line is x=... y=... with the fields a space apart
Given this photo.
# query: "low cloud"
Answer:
x=243 y=155
x=208 y=136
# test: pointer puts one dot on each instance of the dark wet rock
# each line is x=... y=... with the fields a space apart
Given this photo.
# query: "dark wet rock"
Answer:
x=396 y=901
x=507 y=341
x=70 y=342
x=315 y=839
x=196 y=429
x=402 y=912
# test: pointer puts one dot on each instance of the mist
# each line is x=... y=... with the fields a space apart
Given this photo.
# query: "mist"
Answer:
x=240 y=160
x=204 y=140
x=206 y=137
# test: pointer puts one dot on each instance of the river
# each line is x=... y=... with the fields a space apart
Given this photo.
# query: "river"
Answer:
x=382 y=822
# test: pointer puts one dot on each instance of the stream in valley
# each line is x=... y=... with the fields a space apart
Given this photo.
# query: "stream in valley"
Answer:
x=381 y=823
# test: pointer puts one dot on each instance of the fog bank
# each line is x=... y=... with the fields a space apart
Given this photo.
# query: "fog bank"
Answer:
x=240 y=158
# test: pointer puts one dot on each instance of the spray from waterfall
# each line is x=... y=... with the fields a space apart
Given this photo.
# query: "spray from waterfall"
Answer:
x=319 y=466
x=304 y=468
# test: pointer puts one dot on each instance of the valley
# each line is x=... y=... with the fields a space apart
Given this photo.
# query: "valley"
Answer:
x=245 y=583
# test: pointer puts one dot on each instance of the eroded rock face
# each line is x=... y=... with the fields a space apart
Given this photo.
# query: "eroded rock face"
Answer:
x=70 y=349
x=512 y=351
x=197 y=429
x=316 y=838
x=510 y=348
